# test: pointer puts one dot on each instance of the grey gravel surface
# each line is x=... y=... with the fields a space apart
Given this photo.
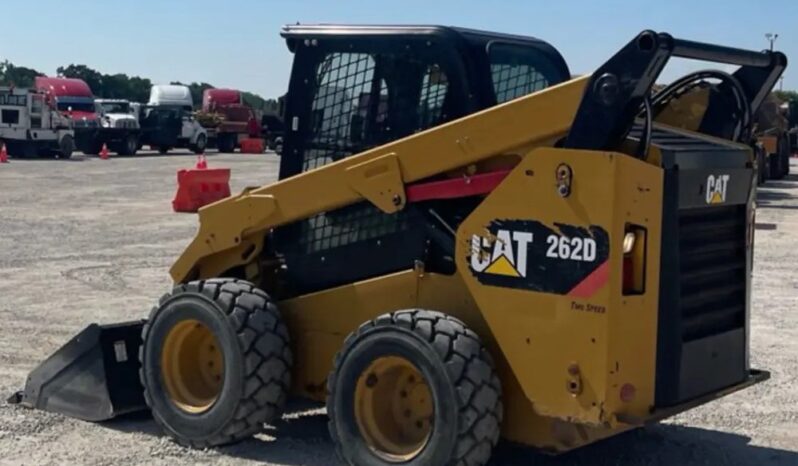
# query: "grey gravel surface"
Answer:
x=89 y=240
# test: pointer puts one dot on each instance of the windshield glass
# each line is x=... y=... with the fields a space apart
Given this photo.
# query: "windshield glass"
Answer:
x=76 y=107
x=115 y=107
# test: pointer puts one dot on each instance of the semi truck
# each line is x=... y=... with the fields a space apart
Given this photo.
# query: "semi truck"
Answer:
x=30 y=126
x=73 y=98
x=227 y=118
x=167 y=121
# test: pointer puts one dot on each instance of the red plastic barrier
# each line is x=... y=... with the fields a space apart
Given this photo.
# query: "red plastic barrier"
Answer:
x=252 y=146
x=199 y=187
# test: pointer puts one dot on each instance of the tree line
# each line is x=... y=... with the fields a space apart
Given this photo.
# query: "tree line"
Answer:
x=117 y=86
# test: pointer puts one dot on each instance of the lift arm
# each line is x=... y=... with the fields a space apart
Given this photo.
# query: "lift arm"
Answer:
x=594 y=112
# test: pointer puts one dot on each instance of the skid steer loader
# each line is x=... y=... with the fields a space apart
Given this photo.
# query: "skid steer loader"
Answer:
x=464 y=243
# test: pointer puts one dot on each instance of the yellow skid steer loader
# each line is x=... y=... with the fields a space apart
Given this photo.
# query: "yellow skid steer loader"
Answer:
x=464 y=244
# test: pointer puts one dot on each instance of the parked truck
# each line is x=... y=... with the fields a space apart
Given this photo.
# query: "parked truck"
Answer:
x=96 y=122
x=119 y=127
x=167 y=121
x=30 y=126
x=227 y=118
x=73 y=98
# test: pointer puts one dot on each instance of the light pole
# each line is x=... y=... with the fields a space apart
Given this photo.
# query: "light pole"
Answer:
x=771 y=37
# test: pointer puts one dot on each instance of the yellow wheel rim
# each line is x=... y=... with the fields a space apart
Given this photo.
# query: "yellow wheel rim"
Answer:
x=192 y=366
x=394 y=408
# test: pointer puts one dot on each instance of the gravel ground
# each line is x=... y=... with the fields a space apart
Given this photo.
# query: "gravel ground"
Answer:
x=90 y=240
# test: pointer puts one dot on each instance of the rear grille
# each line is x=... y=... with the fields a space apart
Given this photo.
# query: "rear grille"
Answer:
x=712 y=270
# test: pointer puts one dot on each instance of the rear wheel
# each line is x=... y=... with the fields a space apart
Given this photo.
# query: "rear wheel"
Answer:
x=417 y=388
x=129 y=145
x=226 y=143
x=215 y=362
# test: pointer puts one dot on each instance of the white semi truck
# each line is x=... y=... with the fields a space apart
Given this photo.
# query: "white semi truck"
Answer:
x=167 y=121
x=30 y=125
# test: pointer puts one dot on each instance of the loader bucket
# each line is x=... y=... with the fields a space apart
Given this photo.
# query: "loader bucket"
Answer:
x=93 y=377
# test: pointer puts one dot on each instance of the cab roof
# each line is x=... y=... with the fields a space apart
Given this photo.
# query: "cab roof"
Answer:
x=473 y=37
x=63 y=87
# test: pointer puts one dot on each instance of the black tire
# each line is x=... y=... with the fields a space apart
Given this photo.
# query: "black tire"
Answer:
x=163 y=150
x=459 y=372
x=199 y=146
x=129 y=145
x=226 y=143
x=66 y=146
x=255 y=352
x=774 y=167
x=785 y=164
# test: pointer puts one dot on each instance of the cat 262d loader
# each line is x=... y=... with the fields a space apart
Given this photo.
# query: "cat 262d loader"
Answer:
x=464 y=244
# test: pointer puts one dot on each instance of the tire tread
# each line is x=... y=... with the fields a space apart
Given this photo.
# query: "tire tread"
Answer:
x=470 y=367
x=268 y=369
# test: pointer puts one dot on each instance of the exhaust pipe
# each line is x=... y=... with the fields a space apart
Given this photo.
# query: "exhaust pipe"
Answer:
x=94 y=376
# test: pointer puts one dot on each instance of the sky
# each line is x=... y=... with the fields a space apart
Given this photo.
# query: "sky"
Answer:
x=236 y=43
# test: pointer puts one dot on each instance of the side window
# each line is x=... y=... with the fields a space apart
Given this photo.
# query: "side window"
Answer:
x=517 y=71
x=10 y=117
x=344 y=83
x=358 y=101
x=433 y=93
x=363 y=100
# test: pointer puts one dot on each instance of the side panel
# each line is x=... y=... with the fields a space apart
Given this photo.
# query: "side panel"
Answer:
x=319 y=323
x=546 y=272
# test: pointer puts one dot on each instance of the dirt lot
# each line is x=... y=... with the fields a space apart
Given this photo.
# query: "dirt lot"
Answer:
x=90 y=240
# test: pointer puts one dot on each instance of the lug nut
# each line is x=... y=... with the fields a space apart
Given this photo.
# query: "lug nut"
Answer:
x=371 y=380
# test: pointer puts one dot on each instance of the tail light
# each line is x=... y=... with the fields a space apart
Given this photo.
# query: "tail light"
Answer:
x=634 y=260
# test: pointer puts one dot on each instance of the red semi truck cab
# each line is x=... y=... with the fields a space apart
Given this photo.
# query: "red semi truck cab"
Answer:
x=237 y=119
x=73 y=98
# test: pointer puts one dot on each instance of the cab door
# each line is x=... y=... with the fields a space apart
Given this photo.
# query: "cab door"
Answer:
x=37 y=112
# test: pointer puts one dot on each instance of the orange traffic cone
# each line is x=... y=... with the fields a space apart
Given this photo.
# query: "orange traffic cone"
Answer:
x=202 y=163
x=104 y=152
x=3 y=154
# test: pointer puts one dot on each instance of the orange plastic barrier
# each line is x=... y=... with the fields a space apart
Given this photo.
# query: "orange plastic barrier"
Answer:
x=252 y=146
x=199 y=187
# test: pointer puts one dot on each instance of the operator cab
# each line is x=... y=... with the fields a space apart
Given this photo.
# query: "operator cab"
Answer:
x=357 y=87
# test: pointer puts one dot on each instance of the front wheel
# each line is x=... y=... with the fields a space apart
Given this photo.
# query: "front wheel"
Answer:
x=65 y=147
x=417 y=388
x=215 y=362
x=129 y=146
x=199 y=146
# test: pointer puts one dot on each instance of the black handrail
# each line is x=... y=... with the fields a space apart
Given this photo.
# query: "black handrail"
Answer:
x=616 y=91
x=721 y=54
